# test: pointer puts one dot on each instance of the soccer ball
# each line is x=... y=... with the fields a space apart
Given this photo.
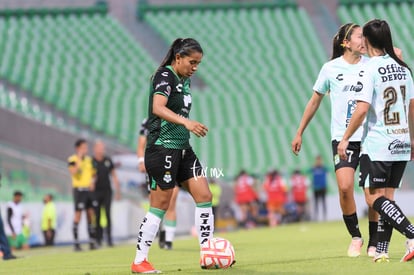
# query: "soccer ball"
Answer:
x=216 y=253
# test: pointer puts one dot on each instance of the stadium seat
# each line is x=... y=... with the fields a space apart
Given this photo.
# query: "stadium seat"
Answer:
x=398 y=15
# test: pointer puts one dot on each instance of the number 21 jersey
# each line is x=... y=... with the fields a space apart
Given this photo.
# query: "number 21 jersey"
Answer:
x=388 y=88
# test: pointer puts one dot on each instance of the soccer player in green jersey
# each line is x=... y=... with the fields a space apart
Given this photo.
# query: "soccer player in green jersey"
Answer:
x=169 y=158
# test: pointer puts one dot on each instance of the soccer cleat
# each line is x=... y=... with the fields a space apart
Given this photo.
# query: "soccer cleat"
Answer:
x=409 y=254
x=144 y=268
x=168 y=246
x=11 y=257
x=354 y=249
x=77 y=248
x=371 y=251
x=381 y=257
x=161 y=239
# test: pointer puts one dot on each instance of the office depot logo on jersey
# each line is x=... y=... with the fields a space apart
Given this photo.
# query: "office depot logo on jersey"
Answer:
x=392 y=72
x=398 y=147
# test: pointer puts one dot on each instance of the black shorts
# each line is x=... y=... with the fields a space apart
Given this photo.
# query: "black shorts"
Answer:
x=353 y=151
x=84 y=199
x=168 y=167
x=380 y=174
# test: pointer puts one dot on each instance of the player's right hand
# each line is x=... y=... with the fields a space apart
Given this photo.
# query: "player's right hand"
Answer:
x=296 y=144
x=197 y=128
x=141 y=167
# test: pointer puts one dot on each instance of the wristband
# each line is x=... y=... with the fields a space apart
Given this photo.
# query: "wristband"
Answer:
x=140 y=160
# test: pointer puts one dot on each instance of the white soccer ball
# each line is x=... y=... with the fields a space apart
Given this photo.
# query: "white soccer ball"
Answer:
x=216 y=253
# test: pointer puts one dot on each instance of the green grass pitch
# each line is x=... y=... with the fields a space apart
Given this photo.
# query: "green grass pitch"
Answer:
x=308 y=248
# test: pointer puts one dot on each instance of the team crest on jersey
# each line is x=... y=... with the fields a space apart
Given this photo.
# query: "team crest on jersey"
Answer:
x=167 y=177
x=107 y=163
x=336 y=159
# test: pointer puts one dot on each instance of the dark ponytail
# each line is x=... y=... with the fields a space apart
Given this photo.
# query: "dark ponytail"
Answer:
x=344 y=33
x=183 y=47
x=378 y=34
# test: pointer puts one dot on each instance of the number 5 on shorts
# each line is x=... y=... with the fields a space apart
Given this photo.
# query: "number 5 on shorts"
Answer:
x=349 y=153
x=167 y=162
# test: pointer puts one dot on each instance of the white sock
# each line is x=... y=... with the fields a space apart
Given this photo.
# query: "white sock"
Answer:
x=147 y=232
x=204 y=221
x=169 y=227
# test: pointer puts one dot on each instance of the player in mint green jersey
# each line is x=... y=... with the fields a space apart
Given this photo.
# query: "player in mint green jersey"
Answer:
x=339 y=79
x=386 y=101
x=169 y=158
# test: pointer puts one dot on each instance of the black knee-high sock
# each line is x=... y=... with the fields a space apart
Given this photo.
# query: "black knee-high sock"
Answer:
x=75 y=232
x=351 y=222
x=373 y=234
x=391 y=213
x=384 y=234
x=92 y=232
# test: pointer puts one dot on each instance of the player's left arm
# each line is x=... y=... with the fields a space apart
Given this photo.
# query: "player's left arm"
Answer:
x=142 y=142
x=411 y=125
x=356 y=121
x=94 y=176
x=117 y=185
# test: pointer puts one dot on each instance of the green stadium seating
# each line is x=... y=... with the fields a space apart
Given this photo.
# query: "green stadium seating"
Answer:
x=20 y=104
x=33 y=174
x=85 y=65
x=397 y=13
x=261 y=62
x=259 y=68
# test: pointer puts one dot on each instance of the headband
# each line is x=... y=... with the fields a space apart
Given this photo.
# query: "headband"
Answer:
x=347 y=32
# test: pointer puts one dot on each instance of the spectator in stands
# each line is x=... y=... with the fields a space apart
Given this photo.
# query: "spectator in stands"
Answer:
x=49 y=217
x=105 y=170
x=299 y=192
x=14 y=224
x=83 y=183
x=246 y=197
x=276 y=191
x=5 y=250
x=215 y=190
x=319 y=185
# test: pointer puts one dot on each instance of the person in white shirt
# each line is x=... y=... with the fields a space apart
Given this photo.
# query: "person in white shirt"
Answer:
x=14 y=224
x=386 y=101
x=338 y=79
